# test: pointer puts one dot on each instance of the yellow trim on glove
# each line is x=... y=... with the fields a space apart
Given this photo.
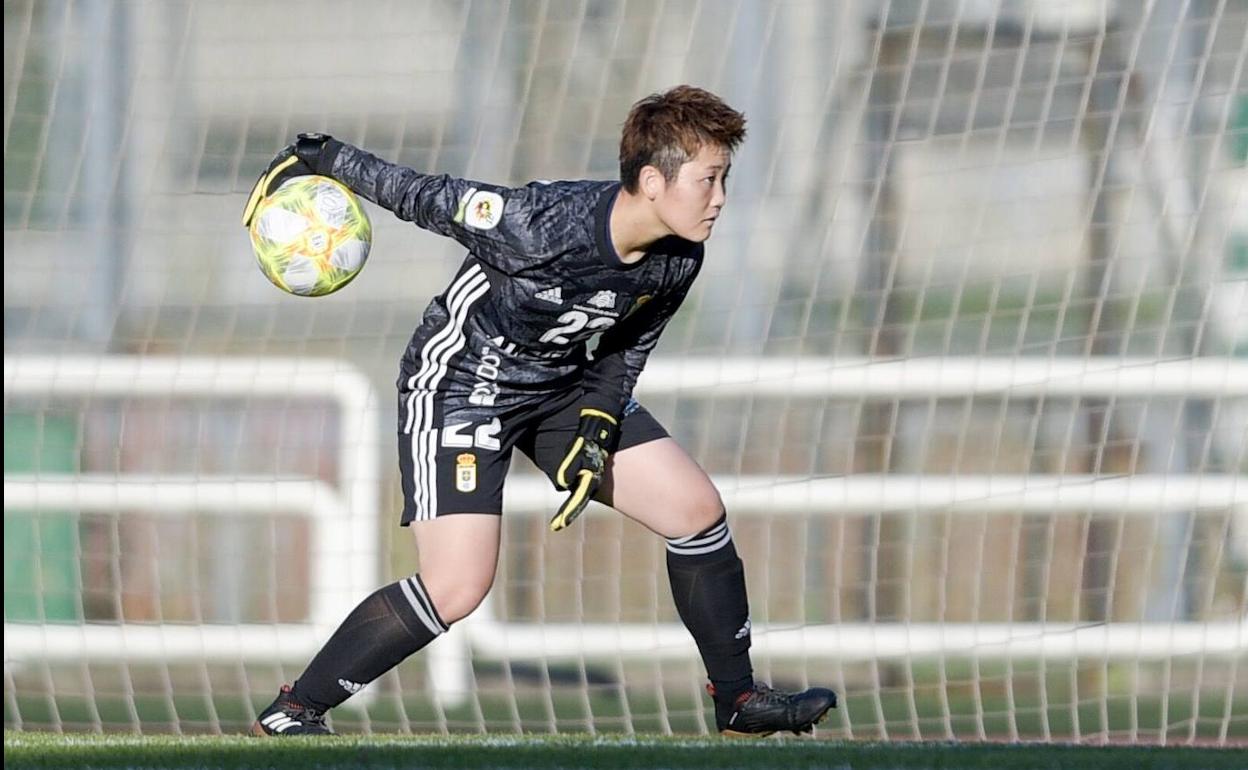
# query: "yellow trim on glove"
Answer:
x=573 y=452
x=258 y=192
x=575 y=503
x=595 y=413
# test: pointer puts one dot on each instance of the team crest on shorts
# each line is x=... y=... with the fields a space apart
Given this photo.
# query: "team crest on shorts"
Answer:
x=466 y=472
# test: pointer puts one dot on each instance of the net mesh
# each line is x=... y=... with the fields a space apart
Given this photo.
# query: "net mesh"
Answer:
x=967 y=359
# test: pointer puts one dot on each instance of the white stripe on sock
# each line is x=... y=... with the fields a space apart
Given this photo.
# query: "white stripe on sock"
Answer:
x=693 y=545
x=411 y=589
x=723 y=541
x=422 y=595
x=702 y=537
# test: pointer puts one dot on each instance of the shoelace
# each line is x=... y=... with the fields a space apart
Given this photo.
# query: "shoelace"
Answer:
x=767 y=695
x=308 y=716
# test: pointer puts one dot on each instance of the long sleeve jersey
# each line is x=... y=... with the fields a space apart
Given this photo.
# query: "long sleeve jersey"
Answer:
x=555 y=280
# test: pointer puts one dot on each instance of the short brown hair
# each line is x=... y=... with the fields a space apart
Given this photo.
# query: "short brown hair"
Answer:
x=667 y=130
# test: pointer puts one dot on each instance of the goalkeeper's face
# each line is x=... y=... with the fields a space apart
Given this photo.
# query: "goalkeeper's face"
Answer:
x=690 y=204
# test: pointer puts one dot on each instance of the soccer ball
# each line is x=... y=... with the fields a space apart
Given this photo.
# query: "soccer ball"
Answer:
x=311 y=236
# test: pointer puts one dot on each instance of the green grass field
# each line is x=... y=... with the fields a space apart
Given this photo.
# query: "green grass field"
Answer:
x=603 y=712
x=48 y=750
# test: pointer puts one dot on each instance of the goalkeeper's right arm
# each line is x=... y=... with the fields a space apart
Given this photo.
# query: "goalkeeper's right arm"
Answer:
x=494 y=222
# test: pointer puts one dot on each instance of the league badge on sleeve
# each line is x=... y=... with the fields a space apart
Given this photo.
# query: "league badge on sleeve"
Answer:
x=484 y=210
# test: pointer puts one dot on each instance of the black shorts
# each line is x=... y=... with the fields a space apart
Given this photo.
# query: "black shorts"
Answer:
x=454 y=454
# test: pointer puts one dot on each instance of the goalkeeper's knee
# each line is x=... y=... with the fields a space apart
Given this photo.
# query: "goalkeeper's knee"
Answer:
x=456 y=596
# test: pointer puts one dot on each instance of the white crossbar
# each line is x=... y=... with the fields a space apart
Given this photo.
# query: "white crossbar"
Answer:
x=1135 y=496
x=949 y=377
x=863 y=641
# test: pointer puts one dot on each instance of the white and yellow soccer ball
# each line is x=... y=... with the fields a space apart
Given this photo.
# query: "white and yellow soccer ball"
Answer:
x=311 y=236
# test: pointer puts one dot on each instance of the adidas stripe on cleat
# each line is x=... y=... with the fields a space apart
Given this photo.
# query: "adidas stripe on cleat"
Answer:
x=287 y=716
x=762 y=711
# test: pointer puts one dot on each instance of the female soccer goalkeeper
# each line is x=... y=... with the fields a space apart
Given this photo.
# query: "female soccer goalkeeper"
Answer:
x=500 y=362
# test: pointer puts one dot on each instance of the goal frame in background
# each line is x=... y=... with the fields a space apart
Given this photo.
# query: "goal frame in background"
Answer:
x=343 y=521
x=484 y=634
x=354 y=517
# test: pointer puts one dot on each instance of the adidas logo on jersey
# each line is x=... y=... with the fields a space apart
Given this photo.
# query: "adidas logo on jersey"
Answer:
x=603 y=299
x=553 y=295
x=744 y=631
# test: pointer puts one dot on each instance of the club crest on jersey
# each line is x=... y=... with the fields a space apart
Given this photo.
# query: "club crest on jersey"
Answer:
x=480 y=209
x=603 y=299
x=466 y=472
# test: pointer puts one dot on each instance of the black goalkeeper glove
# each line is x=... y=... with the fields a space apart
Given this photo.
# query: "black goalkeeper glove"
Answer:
x=310 y=154
x=586 y=460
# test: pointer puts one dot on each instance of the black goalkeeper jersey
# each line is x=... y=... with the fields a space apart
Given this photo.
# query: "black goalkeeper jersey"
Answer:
x=554 y=281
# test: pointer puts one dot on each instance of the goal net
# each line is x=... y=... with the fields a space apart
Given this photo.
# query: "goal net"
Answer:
x=968 y=360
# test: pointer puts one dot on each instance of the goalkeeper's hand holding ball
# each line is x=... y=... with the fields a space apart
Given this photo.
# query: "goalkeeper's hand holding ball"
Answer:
x=585 y=463
x=311 y=154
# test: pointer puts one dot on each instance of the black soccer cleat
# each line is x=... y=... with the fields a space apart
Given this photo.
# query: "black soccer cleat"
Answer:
x=761 y=711
x=287 y=716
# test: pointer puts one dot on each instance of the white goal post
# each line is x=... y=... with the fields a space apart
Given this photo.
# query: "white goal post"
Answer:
x=343 y=521
x=347 y=523
x=354 y=519
x=483 y=634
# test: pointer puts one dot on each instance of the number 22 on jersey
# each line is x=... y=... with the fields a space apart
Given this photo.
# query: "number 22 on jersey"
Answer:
x=573 y=322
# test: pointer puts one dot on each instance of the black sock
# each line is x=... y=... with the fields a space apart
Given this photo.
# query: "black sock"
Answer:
x=708 y=586
x=392 y=623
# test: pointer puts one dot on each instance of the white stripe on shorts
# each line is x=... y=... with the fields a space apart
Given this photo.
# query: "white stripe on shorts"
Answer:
x=453 y=296
x=471 y=277
x=435 y=357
